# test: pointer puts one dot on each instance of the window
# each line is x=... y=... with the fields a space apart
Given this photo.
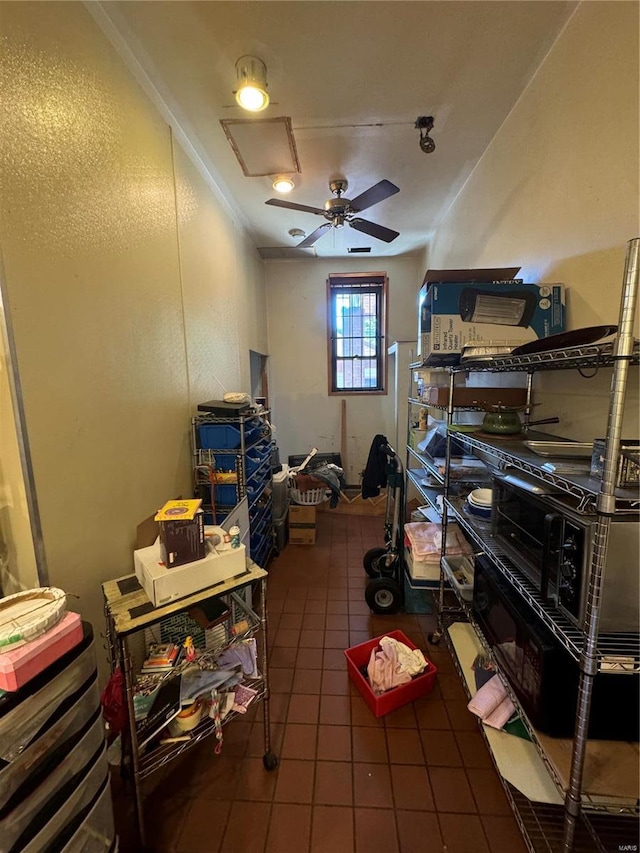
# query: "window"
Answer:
x=357 y=333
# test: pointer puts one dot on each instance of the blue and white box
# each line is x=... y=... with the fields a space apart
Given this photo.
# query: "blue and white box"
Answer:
x=454 y=314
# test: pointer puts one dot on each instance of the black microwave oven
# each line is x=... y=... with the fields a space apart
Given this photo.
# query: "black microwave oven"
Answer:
x=542 y=673
x=552 y=544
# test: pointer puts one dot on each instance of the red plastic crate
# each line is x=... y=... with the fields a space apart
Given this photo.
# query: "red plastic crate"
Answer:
x=358 y=657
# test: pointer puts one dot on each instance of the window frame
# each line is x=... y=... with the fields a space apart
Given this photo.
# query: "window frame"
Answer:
x=380 y=283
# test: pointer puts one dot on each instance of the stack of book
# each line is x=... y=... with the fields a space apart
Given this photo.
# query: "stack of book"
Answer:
x=162 y=657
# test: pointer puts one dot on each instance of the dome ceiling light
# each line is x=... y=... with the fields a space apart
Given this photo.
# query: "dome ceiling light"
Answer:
x=283 y=184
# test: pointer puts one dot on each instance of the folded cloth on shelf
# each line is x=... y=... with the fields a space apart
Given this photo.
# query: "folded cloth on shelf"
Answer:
x=197 y=682
x=393 y=664
x=492 y=704
x=425 y=539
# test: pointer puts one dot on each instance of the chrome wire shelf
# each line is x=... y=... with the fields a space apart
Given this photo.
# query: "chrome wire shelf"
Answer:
x=586 y=357
x=596 y=832
x=552 y=815
x=238 y=609
x=590 y=802
x=443 y=407
x=582 y=487
x=423 y=485
x=427 y=464
x=427 y=493
x=610 y=646
x=466 y=609
x=542 y=825
x=164 y=753
x=240 y=417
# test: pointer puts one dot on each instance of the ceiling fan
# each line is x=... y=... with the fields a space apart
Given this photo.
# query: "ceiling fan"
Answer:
x=340 y=210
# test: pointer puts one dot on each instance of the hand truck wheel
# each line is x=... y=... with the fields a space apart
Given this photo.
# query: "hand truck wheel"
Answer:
x=384 y=595
x=370 y=561
x=379 y=562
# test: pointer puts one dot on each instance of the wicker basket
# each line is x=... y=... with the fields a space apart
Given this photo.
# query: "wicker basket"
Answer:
x=309 y=498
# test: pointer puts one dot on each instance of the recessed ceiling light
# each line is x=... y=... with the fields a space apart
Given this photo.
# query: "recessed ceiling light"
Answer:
x=251 y=93
x=283 y=184
x=296 y=232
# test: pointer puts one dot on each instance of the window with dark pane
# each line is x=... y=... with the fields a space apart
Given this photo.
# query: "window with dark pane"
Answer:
x=356 y=329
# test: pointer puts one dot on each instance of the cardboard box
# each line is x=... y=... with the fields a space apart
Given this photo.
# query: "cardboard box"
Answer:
x=181 y=532
x=163 y=584
x=462 y=396
x=454 y=314
x=484 y=276
x=302 y=525
x=358 y=657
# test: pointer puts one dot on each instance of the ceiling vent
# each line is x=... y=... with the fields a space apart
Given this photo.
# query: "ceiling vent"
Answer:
x=285 y=253
x=359 y=250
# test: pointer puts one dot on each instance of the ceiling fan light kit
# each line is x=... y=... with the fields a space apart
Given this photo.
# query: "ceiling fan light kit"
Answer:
x=340 y=210
x=251 y=93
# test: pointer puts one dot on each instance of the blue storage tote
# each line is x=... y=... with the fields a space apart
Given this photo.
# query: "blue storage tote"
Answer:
x=223 y=436
x=227 y=495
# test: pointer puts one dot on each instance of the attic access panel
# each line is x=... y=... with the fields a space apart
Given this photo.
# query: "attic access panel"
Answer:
x=263 y=146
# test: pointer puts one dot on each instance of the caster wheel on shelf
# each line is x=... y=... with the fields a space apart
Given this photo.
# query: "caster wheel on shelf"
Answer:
x=270 y=761
x=383 y=595
x=434 y=638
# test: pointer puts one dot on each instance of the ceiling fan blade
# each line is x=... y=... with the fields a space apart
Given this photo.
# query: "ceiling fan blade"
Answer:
x=374 y=230
x=373 y=195
x=291 y=205
x=311 y=238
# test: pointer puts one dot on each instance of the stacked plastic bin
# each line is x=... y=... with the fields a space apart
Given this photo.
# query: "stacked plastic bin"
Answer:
x=233 y=460
x=281 y=498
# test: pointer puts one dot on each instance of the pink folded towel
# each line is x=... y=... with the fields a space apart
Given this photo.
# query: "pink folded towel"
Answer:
x=425 y=538
x=492 y=704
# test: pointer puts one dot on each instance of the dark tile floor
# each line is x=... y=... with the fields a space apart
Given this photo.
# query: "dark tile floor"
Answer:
x=418 y=780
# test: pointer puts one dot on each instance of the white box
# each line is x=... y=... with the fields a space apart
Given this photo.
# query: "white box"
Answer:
x=420 y=570
x=163 y=585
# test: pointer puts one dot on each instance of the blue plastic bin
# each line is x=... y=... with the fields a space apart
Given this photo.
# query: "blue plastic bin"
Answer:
x=227 y=495
x=222 y=436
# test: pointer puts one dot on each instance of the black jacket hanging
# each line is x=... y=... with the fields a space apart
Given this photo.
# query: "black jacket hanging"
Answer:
x=374 y=476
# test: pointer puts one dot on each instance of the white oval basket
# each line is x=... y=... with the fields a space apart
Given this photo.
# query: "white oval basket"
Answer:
x=311 y=497
x=25 y=615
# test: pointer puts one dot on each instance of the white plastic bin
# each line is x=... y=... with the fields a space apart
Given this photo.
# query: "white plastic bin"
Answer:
x=280 y=496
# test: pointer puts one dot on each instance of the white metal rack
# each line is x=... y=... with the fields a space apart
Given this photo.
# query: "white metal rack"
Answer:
x=581 y=821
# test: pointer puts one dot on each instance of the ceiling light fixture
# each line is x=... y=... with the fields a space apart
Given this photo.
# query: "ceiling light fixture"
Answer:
x=296 y=232
x=425 y=124
x=283 y=184
x=251 y=93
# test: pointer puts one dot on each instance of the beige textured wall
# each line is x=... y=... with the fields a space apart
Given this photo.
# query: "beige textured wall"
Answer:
x=304 y=414
x=18 y=567
x=125 y=284
x=557 y=192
